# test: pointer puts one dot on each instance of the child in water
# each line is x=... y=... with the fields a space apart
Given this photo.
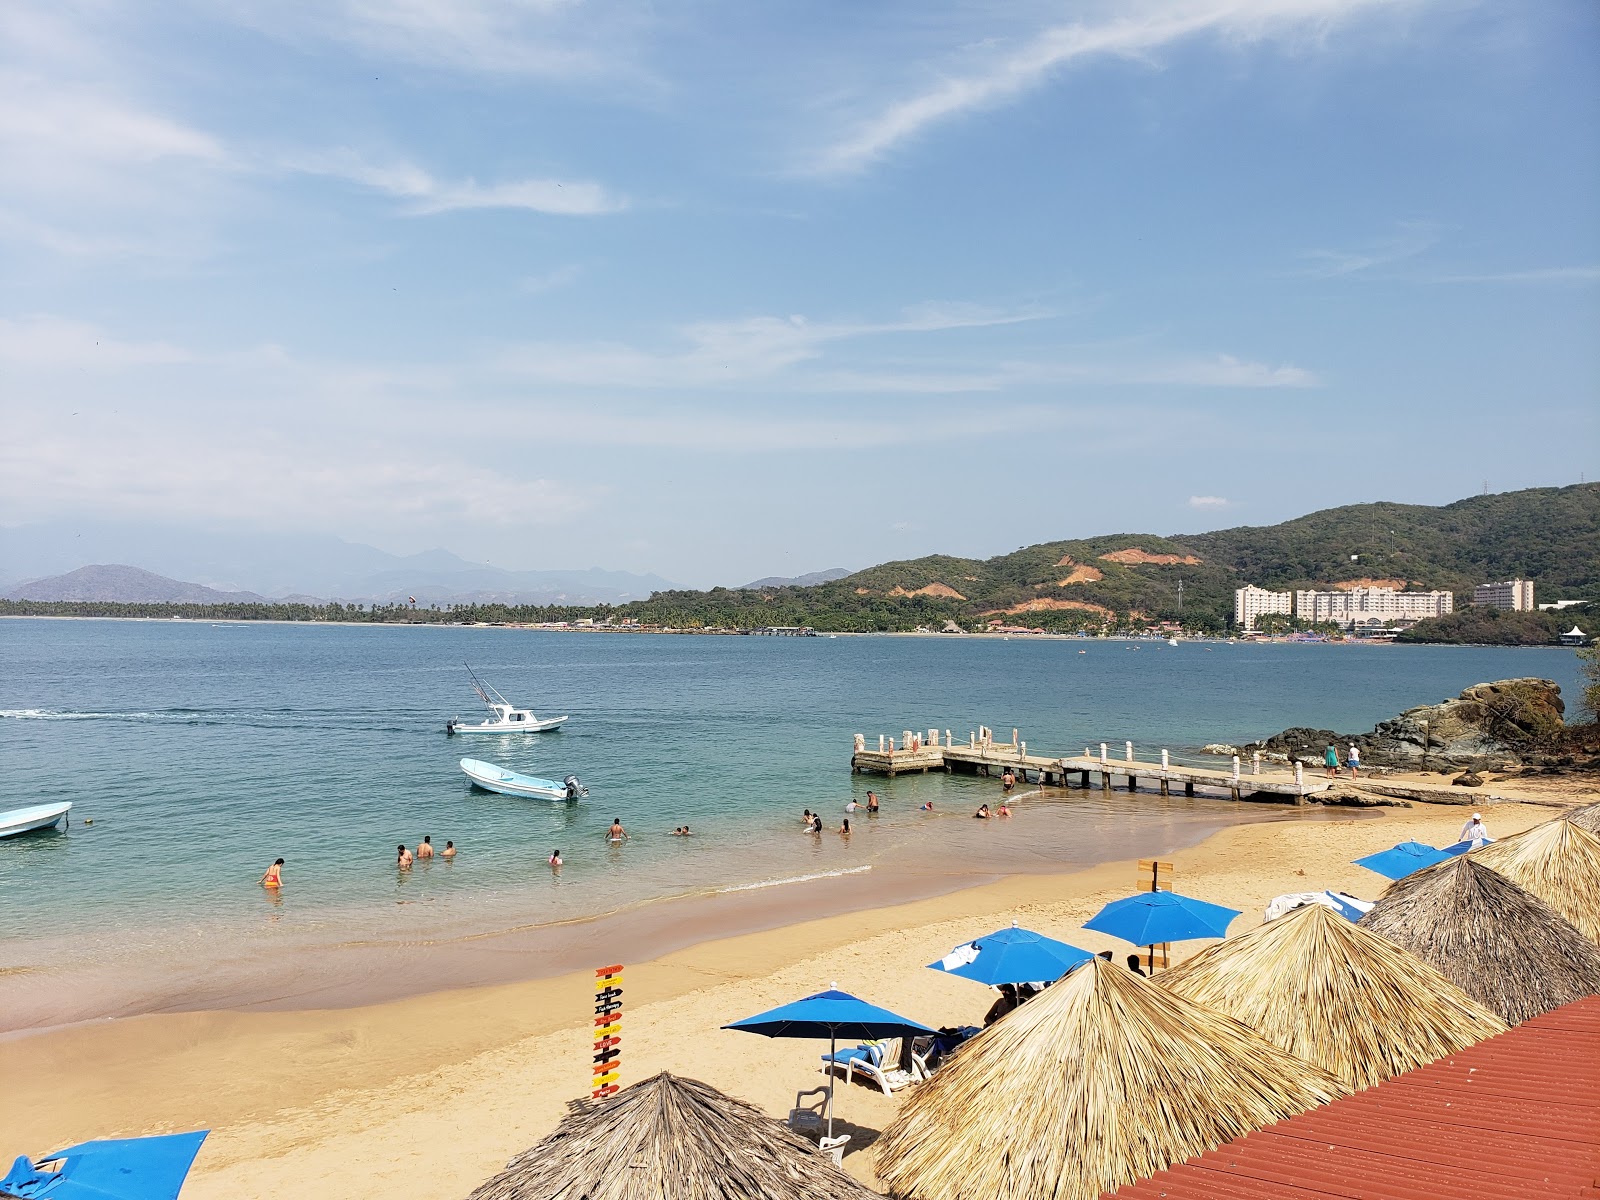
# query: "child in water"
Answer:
x=555 y=859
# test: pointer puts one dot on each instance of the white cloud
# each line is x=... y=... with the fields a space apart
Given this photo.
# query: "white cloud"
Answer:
x=1561 y=276
x=50 y=342
x=428 y=195
x=549 y=281
x=1208 y=502
x=1410 y=239
x=986 y=76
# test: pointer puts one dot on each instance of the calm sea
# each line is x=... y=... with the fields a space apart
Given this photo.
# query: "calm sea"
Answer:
x=200 y=752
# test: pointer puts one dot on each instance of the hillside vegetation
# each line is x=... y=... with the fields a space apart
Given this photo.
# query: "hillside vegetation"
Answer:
x=1119 y=581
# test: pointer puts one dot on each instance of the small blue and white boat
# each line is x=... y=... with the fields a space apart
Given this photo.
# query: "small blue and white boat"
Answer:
x=40 y=816
x=510 y=783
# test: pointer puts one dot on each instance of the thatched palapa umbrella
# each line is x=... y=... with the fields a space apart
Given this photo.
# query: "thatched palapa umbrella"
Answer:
x=1559 y=862
x=1499 y=943
x=1587 y=817
x=1336 y=995
x=1098 y=1081
x=669 y=1138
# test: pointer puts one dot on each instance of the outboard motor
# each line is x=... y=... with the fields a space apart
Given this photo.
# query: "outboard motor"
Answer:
x=575 y=790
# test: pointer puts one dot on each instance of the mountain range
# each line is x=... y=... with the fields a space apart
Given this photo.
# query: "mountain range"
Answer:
x=39 y=558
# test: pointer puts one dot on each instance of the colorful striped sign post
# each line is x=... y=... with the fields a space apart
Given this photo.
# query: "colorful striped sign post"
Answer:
x=607 y=1031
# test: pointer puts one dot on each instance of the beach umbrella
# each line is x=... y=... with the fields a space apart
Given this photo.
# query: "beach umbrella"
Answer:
x=671 y=1138
x=831 y=1014
x=1499 y=943
x=1011 y=956
x=1587 y=817
x=151 y=1168
x=1559 y=862
x=1335 y=995
x=1100 y=1080
x=1399 y=861
x=1150 y=918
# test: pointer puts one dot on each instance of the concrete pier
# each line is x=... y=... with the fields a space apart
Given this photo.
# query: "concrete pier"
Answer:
x=982 y=755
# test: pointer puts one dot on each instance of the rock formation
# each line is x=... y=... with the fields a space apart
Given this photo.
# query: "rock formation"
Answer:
x=1490 y=726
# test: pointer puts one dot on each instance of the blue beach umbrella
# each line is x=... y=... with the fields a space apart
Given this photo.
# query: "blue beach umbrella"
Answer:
x=1399 y=861
x=1150 y=918
x=151 y=1168
x=1466 y=847
x=1011 y=956
x=831 y=1014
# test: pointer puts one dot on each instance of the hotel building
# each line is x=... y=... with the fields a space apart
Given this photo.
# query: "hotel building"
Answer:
x=1250 y=602
x=1371 y=606
x=1514 y=595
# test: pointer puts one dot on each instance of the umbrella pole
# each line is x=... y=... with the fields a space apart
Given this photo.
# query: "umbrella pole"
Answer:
x=833 y=1048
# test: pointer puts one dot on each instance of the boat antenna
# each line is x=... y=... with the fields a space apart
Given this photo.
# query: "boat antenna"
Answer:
x=485 y=691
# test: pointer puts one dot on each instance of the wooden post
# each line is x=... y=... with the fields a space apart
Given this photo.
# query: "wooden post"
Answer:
x=1105 y=781
x=1084 y=780
x=1155 y=876
x=1188 y=787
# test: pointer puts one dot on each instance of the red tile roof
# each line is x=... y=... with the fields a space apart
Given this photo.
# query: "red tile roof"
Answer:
x=1512 y=1118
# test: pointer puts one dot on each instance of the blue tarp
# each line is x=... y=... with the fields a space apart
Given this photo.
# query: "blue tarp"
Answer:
x=1151 y=918
x=151 y=1168
x=1012 y=956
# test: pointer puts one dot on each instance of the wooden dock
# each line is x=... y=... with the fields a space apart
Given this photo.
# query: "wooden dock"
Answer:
x=915 y=751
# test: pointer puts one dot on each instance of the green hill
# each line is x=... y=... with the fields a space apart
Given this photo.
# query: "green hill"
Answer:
x=1551 y=535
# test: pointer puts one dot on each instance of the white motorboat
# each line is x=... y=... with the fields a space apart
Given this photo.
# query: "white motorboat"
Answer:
x=504 y=717
x=511 y=783
x=40 y=816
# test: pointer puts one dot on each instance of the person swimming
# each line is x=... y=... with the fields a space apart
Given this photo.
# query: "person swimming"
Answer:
x=449 y=850
x=928 y=807
x=403 y=858
x=982 y=814
x=686 y=832
x=555 y=859
x=1005 y=809
x=845 y=828
x=616 y=833
x=274 y=876
x=805 y=818
x=425 y=850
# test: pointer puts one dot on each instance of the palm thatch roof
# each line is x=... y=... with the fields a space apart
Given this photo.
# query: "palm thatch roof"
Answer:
x=1499 y=943
x=669 y=1138
x=1587 y=817
x=1103 y=1079
x=1558 y=862
x=1335 y=995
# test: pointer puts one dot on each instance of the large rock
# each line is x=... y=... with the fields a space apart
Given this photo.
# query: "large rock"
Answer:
x=1489 y=726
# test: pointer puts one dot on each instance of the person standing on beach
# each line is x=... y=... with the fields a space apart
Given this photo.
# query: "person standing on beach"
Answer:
x=1330 y=762
x=616 y=833
x=1472 y=831
x=274 y=876
x=1353 y=760
x=403 y=858
x=425 y=850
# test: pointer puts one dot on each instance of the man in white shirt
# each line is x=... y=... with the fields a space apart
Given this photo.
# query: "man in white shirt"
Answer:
x=1473 y=830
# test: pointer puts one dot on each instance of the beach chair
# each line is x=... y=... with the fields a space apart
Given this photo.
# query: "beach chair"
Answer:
x=878 y=1061
x=809 y=1111
x=833 y=1148
x=922 y=1054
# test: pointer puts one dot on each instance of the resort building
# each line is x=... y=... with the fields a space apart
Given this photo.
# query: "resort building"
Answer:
x=1250 y=602
x=1360 y=607
x=1514 y=595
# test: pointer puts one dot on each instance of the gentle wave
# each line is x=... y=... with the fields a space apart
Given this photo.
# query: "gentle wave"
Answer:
x=766 y=883
x=190 y=716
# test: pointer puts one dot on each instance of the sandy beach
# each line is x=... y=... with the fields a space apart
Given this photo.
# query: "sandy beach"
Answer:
x=430 y=1095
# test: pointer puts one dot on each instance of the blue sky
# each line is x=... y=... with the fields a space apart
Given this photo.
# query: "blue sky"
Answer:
x=722 y=290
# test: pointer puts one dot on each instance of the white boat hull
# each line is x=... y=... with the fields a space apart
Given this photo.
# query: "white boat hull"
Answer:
x=510 y=783
x=532 y=725
x=26 y=820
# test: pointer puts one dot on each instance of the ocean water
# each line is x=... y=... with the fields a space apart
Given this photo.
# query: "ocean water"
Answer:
x=200 y=752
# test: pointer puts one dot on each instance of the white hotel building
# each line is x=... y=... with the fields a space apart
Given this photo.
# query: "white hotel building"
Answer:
x=1514 y=595
x=1371 y=606
x=1250 y=602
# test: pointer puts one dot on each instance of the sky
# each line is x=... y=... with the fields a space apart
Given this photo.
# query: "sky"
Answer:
x=725 y=290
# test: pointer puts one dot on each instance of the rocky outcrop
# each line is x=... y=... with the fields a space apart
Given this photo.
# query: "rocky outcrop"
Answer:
x=1490 y=726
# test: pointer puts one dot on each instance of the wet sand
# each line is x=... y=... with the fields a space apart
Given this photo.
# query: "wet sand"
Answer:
x=430 y=1095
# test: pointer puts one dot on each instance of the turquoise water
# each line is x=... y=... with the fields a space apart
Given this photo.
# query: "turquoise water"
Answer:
x=202 y=752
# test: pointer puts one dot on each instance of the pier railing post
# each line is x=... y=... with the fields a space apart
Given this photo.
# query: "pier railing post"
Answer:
x=1235 y=770
x=1255 y=763
x=1128 y=753
x=1102 y=754
x=880 y=743
x=1299 y=773
x=861 y=742
x=1166 y=764
x=949 y=738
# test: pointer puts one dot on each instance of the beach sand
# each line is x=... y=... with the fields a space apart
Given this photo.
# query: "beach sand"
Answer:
x=430 y=1095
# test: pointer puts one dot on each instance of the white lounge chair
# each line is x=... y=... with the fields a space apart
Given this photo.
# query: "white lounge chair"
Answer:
x=880 y=1063
x=833 y=1147
x=921 y=1051
x=810 y=1111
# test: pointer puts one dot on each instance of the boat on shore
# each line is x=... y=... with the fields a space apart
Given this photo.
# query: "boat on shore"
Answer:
x=504 y=717
x=39 y=816
x=491 y=778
